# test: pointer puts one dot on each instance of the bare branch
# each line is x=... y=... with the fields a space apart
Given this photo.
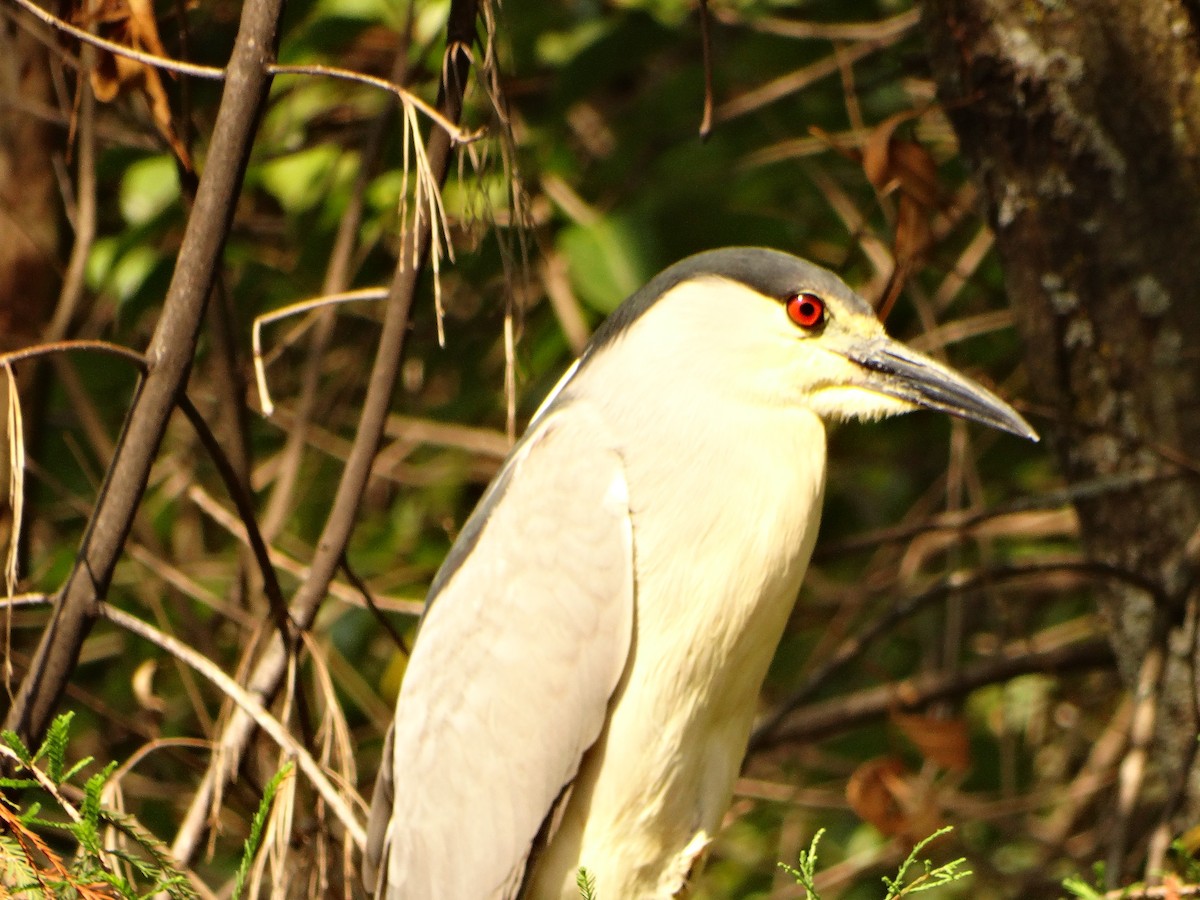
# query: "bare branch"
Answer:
x=841 y=713
x=150 y=59
x=293 y=309
x=170 y=358
x=406 y=97
x=768 y=732
x=415 y=250
x=247 y=702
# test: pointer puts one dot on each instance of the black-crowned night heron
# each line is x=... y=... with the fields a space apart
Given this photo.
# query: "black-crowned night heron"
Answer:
x=584 y=681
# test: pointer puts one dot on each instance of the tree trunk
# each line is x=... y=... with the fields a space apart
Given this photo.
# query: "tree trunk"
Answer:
x=1082 y=123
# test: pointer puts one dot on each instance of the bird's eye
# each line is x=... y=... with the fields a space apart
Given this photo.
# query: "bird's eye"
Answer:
x=806 y=310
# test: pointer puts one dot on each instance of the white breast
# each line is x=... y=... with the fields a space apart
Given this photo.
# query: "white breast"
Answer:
x=722 y=536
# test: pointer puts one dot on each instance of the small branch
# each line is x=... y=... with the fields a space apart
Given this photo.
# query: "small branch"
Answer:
x=801 y=78
x=225 y=468
x=83 y=221
x=1158 y=892
x=826 y=31
x=405 y=606
x=767 y=732
x=293 y=309
x=966 y=519
x=1132 y=771
x=250 y=705
x=150 y=59
x=39 y=350
x=169 y=357
x=44 y=781
x=706 y=120
x=365 y=592
x=459 y=136
x=212 y=73
x=245 y=508
x=338 y=274
x=841 y=713
x=414 y=253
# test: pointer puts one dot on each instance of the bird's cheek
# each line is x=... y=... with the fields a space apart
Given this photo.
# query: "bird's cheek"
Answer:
x=840 y=403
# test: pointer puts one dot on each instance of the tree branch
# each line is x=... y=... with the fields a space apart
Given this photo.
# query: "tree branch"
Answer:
x=169 y=358
x=267 y=676
x=841 y=713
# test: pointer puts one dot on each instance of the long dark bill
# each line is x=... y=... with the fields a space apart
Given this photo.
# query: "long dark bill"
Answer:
x=908 y=375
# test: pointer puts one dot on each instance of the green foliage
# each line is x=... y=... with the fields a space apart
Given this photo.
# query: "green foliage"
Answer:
x=28 y=862
x=586 y=882
x=1078 y=887
x=254 y=839
x=805 y=871
x=1184 y=859
x=1182 y=864
x=932 y=877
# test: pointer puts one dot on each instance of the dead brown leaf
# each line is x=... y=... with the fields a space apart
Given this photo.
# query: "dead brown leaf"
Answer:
x=132 y=23
x=941 y=741
x=899 y=166
x=874 y=792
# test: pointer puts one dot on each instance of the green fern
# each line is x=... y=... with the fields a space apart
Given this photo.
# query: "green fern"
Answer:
x=54 y=747
x=932 y=877
x=805 y=871
x=257 y=824
x=33 y=866
x=586 y=882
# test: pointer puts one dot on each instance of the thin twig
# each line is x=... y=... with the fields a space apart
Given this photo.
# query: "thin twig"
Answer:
x=150 y=59
x=706 y=120
x=338 y=274
x=245 y=509
x=170 y=356
x=213 y=73
x=826 y=31
x=415 y=250
x=44 y=782
x=1132 y=771
x=71 y=294
x=766 y=732
x=968 y=519
x=293 y=309
x=457 y=133
x=237 y=491
x=280 y=560
x=250 y=705
x=849 y=710
x=801 y=78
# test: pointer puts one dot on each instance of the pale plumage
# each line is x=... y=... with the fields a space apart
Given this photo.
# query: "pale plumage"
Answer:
x=584 y=681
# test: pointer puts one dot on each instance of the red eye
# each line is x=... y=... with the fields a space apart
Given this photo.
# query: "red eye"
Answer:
x=806 y=310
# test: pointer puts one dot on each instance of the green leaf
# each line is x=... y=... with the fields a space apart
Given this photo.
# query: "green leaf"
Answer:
x=606 y=260
x=254 y=839
x=805 y=870
x=119 y=269
x=1080 y=888
x=585 y=881
x=78 y=767
x=54 y=747
x=301 y=181
x=17 y=746
x=932 y=877
x=148 y=187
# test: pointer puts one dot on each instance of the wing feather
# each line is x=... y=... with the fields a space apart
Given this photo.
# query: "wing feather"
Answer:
x=513 y=668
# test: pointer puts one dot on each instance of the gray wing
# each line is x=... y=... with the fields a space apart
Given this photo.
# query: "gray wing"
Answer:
x=513 y=669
